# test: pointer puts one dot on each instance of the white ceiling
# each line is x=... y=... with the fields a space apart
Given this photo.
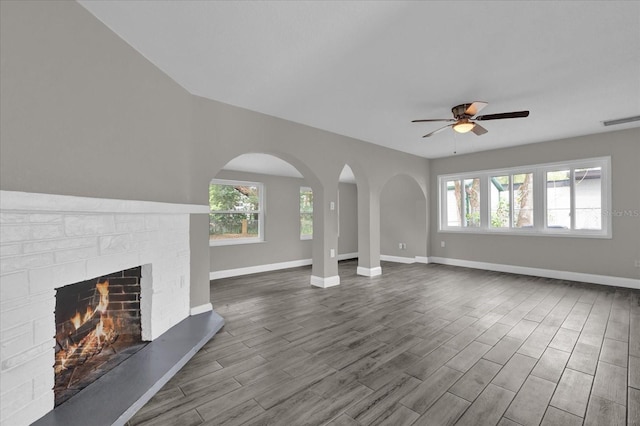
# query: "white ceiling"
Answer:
x=366 y=69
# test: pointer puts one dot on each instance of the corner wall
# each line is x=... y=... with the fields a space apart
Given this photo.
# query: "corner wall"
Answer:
x=610 y=257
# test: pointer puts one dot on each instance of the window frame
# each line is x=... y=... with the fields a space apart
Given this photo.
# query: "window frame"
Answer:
x=539 y=191
x=260 y=212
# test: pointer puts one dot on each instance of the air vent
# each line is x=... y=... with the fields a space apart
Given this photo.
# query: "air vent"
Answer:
x=621 y=120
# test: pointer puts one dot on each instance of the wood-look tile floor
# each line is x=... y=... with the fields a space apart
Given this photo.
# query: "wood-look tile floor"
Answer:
x=420 y=345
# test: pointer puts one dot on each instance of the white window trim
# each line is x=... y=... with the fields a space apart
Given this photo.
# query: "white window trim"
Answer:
x=260 y=212
x=539 y=199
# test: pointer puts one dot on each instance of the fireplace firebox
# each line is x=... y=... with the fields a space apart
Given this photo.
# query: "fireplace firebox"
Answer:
x=97 y=327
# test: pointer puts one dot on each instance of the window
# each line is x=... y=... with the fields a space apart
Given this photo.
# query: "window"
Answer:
x=511 y=198
x=463 y=200
x=306 y=213
x=236 y=212
x=568 y=198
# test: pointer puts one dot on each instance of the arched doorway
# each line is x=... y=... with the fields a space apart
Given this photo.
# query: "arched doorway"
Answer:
x=260 y=200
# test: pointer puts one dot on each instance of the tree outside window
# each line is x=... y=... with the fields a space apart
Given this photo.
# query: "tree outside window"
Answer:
x=235 y=211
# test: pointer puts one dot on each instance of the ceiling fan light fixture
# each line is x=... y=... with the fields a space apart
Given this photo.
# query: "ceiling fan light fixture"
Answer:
x=464 y=126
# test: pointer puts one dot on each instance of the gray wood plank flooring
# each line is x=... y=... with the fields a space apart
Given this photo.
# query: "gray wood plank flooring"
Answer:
x=420 y=345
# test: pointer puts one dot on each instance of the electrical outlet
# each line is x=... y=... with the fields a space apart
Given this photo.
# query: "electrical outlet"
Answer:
x=332 y=253
x=404 y=246
x=442 y=244
x=400 y=246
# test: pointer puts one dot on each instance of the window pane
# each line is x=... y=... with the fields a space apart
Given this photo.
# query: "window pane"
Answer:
x=588 y=198
x=233 y=225
x=454 y=203
x=523 y=200
x=472 y=202
x=499 y=189
x=235 y=211
x=558 y=199
x=306 y=212
x=234 y=197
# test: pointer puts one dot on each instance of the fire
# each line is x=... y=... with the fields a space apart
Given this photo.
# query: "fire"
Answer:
x=92 y=343
x=77 y=320
x=103 y=289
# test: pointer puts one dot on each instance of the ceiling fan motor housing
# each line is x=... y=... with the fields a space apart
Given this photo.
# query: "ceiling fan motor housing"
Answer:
x=459 y=111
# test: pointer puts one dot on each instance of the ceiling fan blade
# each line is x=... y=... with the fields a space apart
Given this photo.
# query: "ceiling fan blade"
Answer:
x=429 y=120
x=475 y=108
x=514 y=114
x=479 y=130
x=437 y=131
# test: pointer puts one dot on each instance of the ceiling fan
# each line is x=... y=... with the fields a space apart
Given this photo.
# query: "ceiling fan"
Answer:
x=465 y=118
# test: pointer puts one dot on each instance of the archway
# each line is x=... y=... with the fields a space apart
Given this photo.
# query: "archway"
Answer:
x=269 y=184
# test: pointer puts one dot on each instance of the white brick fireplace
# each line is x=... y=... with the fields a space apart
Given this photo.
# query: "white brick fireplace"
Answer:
x=49 y=241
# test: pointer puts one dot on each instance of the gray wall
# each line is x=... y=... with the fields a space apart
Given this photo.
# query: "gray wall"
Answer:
x=614 y=257
x=83 y=113
x=403 y=218
x=348 y=238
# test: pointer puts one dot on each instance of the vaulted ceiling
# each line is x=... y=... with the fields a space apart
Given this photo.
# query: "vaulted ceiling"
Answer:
x=365 y=69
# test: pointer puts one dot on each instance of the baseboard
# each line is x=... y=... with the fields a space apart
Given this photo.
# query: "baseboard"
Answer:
x=325 y=282
x=539 y=272
x=201 y=309
x=400 y=259
x=397 y=259
x=369 y=272
x=227 y=273
x=348 y=256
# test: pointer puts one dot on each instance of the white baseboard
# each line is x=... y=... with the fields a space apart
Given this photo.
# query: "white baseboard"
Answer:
x=400 y=259
x=227 y=273
x=397 y=259
x=325 y=282
x=539 y=272
x=369 y=272
x=201 y=309
x=347 y=256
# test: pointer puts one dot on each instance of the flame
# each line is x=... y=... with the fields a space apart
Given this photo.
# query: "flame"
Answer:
x=103 y=289
x=76 y=320
x=103 y=334
x=99 y=330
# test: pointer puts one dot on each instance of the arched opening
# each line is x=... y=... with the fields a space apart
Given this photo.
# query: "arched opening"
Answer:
x=403 y=221
x=256 y=223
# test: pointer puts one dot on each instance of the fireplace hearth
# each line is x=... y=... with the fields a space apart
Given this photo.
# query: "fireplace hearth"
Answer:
x=97 y=327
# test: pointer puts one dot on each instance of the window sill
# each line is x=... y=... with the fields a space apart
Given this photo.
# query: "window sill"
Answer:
x=532 y=233
x=233 y=242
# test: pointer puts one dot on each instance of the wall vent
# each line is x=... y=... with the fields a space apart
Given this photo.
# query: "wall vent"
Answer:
x=621 y=120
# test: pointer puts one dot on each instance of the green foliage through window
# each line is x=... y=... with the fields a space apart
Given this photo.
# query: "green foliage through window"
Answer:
x=235 y=210
x=306 y=213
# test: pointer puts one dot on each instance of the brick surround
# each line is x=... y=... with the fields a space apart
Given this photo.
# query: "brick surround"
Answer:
x=49 y=241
